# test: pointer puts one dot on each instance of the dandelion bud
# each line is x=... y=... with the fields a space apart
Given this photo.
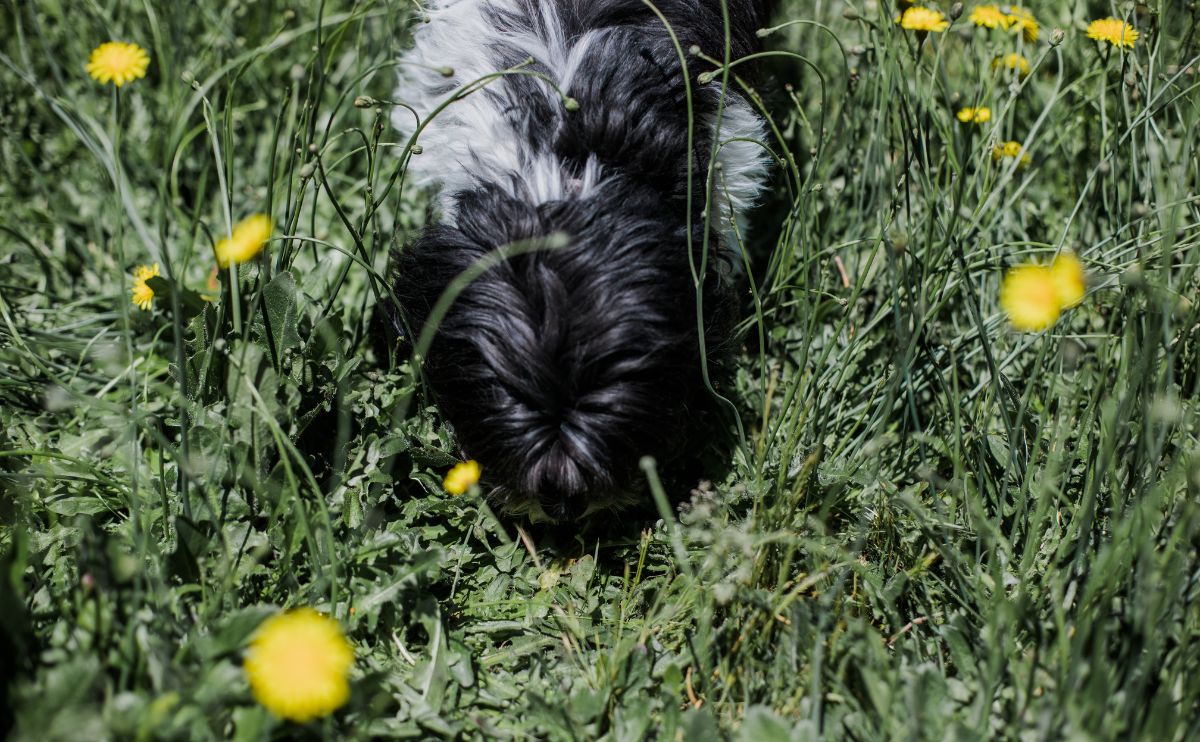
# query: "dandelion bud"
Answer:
x=694 y=50
x=297 y=72
x=289 y=15
x=762 y=33
x=1057 y=36
x=187 y=77
x=571 y=104
x=307 y=170
x=364 y=101
x=1103 y=169
x=704 y=78
x=851 y=14
x=956 y=11
x=1140 y=210
x=312 y=148
x=417 y=149
x=446 y=71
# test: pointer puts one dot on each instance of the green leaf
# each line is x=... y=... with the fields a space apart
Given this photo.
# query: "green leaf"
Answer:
x=251 y=723
x=277 y=324
x=233 y=631
x=433 y=673
x=82 y=505
x=764 y=725
x=190 y=302
x=699 y=726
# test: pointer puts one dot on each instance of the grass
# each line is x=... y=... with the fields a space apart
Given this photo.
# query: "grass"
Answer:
x=933 y=527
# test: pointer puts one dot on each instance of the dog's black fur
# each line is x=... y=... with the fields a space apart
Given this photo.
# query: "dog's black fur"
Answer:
x=559 y=368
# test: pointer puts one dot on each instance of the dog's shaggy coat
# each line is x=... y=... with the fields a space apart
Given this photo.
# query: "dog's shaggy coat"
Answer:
x=560 y=367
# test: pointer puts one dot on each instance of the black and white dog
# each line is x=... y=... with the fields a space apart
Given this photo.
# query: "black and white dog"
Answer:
x=559 y=368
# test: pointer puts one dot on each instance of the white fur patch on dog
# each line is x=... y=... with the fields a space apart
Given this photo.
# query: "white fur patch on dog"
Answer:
x=744 y=164
x=474 y=140
x=742 y=155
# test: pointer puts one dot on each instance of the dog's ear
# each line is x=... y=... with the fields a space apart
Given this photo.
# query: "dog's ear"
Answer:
x=389 y=338
x=418 y=273
x=392 y=329
x=390 y=320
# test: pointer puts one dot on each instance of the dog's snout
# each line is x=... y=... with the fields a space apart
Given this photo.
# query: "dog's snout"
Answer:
x=566 y=508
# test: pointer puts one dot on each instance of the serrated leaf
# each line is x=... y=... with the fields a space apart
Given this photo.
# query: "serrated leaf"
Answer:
x=82 y=505
x=277 y=325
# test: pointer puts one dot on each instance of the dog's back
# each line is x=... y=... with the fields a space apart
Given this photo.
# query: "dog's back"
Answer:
x=560 y=367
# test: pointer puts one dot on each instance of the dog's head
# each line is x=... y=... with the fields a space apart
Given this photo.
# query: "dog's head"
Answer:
x=561 y=366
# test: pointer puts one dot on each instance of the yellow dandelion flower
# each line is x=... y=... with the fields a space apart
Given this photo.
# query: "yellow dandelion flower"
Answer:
x=918 y=18
x=1069 y=280
x=988 y=16
x=1028 y=295
x=118 y=62
x=1114 y=31
x=1012 y=151
x=297 y=665
x=143 y=295
x=1021 y=19
x=980 y=115
x=1012 y=62
x=249 y=237
x=462 y=477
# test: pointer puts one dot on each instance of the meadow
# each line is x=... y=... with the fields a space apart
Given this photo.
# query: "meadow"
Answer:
x=943 y=516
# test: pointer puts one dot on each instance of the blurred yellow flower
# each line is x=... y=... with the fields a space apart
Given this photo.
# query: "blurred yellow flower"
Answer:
x=1033 y=296
x=462 y=477
x=143 y=295
x=118 y=62
x=980 y=115
x=1069 y=280
x=1012 y=62
x=988 y=16
x=1114 y=31
x=918 y=18
x=1011 y=150
x=297 y=665
x=1021 y=19
x=249 y=237
x=1029 y=297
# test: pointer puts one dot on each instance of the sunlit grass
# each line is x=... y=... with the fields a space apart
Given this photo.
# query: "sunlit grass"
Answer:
x=934 y=525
